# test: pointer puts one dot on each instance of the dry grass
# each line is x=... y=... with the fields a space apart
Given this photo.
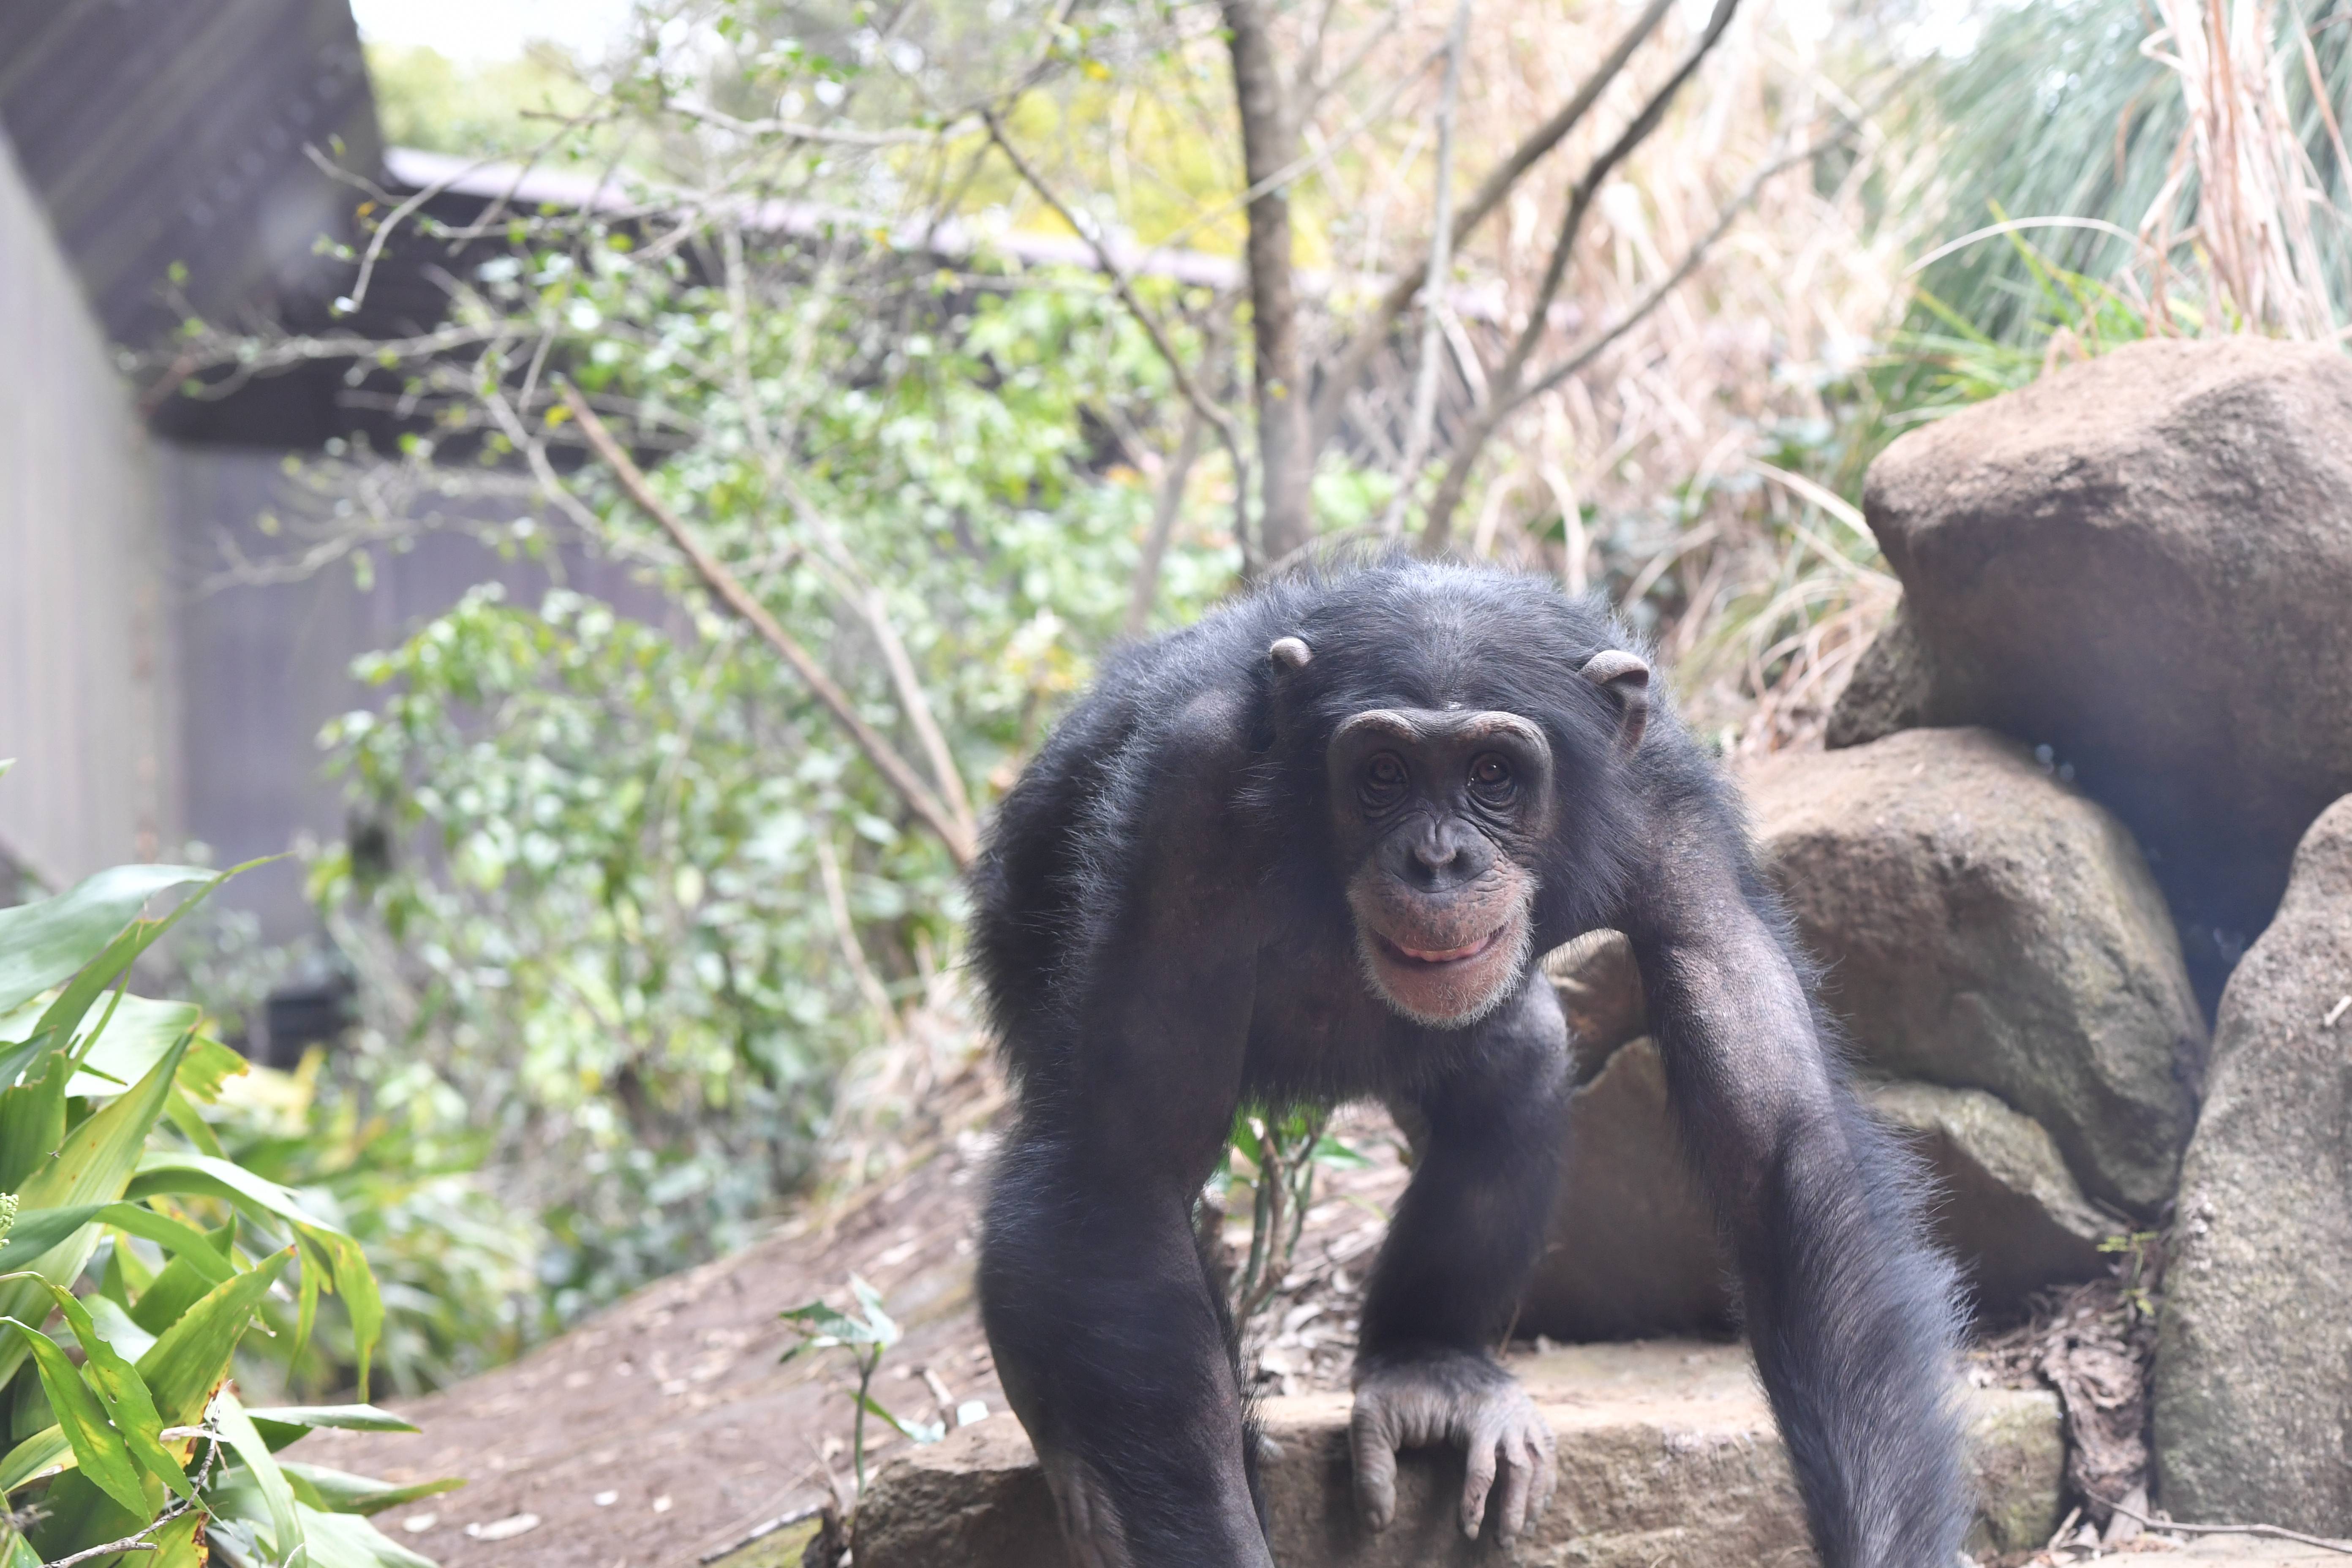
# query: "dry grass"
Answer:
x=1661 y=475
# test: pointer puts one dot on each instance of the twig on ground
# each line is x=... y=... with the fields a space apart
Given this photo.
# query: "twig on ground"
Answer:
x=2268 y=1531
x=763 y=1529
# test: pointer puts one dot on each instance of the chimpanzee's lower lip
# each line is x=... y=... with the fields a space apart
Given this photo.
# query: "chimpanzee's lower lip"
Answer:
x=1447 y=956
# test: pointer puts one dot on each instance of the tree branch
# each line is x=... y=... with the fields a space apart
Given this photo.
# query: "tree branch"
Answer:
x=960 y=843
x=1331 y=399
x=1123 y=286
x=1505 y=383
x=1439 y=271
x=1164 y=512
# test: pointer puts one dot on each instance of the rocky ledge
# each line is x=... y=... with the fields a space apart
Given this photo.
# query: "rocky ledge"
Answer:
x=1667 y=1454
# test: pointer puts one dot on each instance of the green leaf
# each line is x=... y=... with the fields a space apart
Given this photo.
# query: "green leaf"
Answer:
x=339 y=1492
x=176 y=1545
x=136 y=1037
x=128 y=1403
x=174 y=1171
x=33 y=1457
x=33 y=1122
x=348 y=1541
x=189 y=1359
x=42 y=944
x=914 y=1431
x=92 y=1166
x=237 y=1429
x=39 y=1230
x=282 y=1423
x=98 y=1447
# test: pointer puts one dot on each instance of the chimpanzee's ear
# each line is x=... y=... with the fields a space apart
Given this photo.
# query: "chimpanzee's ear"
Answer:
x=1626 y=678
x=1289 y=653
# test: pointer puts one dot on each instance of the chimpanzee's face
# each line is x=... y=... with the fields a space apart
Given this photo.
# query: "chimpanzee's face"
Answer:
x=1436 y=812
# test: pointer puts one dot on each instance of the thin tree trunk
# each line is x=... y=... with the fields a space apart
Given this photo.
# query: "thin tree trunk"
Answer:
x=1269 y=139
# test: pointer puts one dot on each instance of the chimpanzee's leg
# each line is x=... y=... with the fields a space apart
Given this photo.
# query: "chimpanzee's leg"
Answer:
x=1458 y=1253
x=1849 y=1309
x=1115 y=1354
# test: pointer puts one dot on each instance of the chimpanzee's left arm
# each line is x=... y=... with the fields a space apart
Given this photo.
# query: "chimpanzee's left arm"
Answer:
x=1850 y=1311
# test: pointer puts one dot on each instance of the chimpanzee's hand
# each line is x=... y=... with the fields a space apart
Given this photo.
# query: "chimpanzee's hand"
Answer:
x=1420 y=1398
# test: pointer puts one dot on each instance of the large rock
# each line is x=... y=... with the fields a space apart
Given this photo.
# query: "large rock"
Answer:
x=2254 y=1373
x=1633 y=1249
x=1667 y=1454
x=2006 y=1207
x=2143 y=562
x=1985 y=927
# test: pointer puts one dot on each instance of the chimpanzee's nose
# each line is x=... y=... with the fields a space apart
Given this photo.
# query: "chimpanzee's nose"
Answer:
x=1437 y=859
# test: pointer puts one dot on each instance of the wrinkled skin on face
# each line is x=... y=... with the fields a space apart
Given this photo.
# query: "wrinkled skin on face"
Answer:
x=1434 y=812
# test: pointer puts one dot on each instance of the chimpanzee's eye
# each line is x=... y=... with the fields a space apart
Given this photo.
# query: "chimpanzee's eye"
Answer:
x=1490 y=776
x=1384 y=783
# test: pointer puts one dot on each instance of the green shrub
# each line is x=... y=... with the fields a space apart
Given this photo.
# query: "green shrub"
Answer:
x=155 y=1253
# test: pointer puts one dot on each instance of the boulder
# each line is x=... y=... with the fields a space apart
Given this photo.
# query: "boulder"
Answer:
x=2006 y=1206
x=1600 y=991
x=1633 y=1249
x=1667 y=1454
x=2253 y=1366
x=1983 y=926
x=1892 y=687
x=2142 y=561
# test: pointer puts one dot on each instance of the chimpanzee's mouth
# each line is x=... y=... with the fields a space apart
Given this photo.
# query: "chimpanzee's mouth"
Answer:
x=1434 y=957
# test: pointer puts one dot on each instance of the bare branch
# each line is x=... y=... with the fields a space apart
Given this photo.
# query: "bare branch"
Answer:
x=844 y=931
x=1691 y=260
x=917 y=706
x=1373 y=331
x=1502 y=405
x=1123 y=286
x=1506 y=381
x=831 y=135
x=1164 y=512
x=1297 y=170
x=1439 y=271
x=2268 y=1531
x=962 y=845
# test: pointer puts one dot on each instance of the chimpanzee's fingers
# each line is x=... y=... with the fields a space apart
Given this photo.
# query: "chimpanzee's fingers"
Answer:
x=1375 y=1451
x=1483 y=1446
x=1518 y=1478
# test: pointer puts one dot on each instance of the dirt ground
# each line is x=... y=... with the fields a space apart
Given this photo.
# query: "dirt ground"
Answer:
x=664 y=1432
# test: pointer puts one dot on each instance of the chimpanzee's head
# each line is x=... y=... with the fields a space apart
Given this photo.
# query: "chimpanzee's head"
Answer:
x=1439 y=816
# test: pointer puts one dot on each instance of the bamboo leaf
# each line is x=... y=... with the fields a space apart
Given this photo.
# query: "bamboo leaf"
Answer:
x=340 y=1492
x=174 y=1171
x=348 y=1541
x=237 y=1429
x=42 y=944
x=92 y=1166
x=282 y=1423
x=189 y=1359
x=98 y=1447
x=128 y=1403
x=38 y=1231
x=34 y=1456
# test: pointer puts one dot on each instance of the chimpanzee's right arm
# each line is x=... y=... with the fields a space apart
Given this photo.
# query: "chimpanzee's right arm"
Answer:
x=1112 y=1343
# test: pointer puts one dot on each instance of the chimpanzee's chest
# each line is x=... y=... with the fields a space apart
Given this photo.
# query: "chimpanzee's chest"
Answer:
x=1318 y=1032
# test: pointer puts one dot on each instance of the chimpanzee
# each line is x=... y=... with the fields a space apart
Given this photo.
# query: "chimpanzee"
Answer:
x=1310 y=850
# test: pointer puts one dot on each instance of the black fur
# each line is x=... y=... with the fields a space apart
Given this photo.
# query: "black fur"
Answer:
x=1162 y=931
